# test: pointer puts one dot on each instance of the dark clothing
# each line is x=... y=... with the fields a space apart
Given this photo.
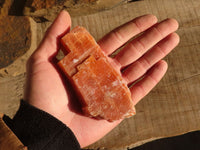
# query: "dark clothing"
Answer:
x=39 y=130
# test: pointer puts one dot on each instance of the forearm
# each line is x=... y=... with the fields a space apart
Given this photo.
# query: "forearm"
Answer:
x=39 y=130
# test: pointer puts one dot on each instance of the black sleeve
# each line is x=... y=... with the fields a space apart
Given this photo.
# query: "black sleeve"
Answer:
x=40 y=131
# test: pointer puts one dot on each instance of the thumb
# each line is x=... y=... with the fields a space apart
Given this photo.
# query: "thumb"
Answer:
x=50 y=43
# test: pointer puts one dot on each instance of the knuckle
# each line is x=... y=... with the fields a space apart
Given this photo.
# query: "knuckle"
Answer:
x=143 y=64
x=138 y=25
x=34 y=59
x=118 y=36
x=158 y=32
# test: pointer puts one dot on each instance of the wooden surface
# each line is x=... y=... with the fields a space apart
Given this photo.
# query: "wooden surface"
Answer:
x=173 y=107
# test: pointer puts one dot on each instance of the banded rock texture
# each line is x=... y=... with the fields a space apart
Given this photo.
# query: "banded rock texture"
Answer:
x=102 y=91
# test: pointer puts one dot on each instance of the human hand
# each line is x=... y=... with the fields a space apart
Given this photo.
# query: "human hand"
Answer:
x=47 y=90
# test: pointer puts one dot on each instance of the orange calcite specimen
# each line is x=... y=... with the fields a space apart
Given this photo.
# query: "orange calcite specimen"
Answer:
x=102 y=91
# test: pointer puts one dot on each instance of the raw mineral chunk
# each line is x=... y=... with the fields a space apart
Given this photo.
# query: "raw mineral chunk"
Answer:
x=102 y=91
x=78 y=45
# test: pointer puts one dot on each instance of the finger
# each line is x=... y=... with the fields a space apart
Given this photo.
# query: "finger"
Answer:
x=140 y=45
x=122 y=34
x=159 y=51
x=49 y=45
x=151 y=79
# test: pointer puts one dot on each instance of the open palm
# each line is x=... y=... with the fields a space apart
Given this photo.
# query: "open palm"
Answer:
x=48 y=90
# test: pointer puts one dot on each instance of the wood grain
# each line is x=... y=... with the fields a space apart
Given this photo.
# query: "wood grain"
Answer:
x=172 y=108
